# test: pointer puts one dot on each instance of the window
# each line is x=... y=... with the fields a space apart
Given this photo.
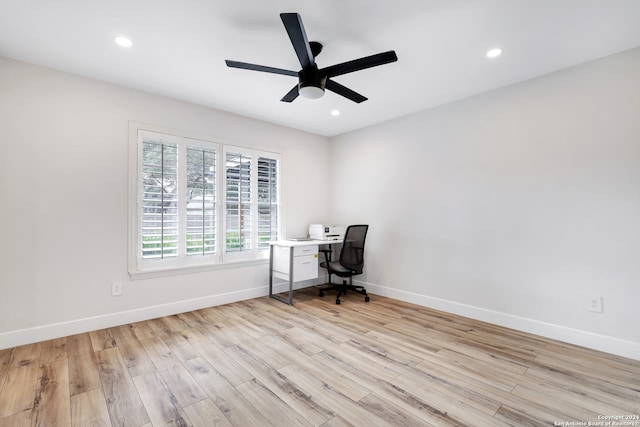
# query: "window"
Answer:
x=200 y=203
x=251 y=201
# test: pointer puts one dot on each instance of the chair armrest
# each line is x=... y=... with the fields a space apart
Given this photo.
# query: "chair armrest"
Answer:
x=326 y=253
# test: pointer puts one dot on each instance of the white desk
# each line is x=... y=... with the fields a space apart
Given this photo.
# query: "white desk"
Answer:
x=294 y=261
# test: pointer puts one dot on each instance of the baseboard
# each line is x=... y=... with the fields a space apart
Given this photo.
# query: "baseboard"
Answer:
x=579 y=337
x=87 y=324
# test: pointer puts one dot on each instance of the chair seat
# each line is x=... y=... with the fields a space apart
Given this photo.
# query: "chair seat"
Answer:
x=335 y=267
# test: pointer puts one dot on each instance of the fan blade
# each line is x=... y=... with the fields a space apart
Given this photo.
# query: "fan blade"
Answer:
x=291 y=95
x=254 y=67
x=293 y=24
x=360 y=64
x=344 y=91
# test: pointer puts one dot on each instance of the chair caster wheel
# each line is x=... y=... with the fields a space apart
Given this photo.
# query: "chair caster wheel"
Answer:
x=366 y=299
x=337 y=301
x=321 y=293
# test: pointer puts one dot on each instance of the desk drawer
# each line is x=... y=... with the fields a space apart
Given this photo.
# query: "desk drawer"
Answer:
x=305 y=267
x=305 y=250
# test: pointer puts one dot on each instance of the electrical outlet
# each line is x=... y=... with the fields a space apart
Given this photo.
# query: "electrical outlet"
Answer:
x=116 y=288
x=595 y=303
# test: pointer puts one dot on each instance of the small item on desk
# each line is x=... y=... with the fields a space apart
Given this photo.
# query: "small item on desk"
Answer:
x=326 y=232
x=300 y=239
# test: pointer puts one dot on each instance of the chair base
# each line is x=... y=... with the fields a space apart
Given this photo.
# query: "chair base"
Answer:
x=342 y=290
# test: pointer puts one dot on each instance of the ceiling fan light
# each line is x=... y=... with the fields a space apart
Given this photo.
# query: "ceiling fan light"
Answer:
x=311 y=92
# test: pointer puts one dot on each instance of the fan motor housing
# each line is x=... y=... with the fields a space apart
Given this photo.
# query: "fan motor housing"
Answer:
x=311 y=83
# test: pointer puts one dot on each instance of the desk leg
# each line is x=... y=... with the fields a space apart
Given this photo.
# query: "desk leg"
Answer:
x=291 y=275
x=271 y=271
x=271 y=294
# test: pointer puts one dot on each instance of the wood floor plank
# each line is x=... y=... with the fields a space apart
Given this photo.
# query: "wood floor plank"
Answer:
x=452 y=349
x=5 y=359
x=394 y=414
x=417 y=347
x=472 y=370
x=580 y=366
x=328 y=397
x=457 y=385
x=585 y=355
x=206 y=414
x=161 y=404
x=18 y=392
x=125 y=407
x=227 y=366
x=83 y=367
x=223 y=332
x=141 y=330
x=227 y=398
x=287 y=391
x=458 y=410
x=26 y=355
x=380 y=349
x=180 y=347
x=133 y=353
x=624 y=398
x=420 y=332
x=53 y=350
x=309 y=343
x=403 y=399
x=159 y=353
x=52 y=405
x=102 y=339
x=571 y=406
x=177 y=322
x=21 y=419
x=161 y=328
x=349 y=388
x=270 y=405
x=301 y=340
x=185 y=389
x=89 y=409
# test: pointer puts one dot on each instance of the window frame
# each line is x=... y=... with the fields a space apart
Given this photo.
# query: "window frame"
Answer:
x=184 y=263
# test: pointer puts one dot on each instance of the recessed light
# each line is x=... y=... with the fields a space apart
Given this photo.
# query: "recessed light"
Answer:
x=123 y=41
x=335 y=112
x=494 y=53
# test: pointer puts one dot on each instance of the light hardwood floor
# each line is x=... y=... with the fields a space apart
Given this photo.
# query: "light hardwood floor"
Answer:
x=263 y=363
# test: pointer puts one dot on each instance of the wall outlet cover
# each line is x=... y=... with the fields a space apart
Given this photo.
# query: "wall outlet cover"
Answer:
x=116 y=288
x=595 y=303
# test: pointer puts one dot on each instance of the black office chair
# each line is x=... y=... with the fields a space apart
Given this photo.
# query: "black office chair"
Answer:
x=349 y=264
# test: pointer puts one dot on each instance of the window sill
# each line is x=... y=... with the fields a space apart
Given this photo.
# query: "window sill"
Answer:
x=176 y=271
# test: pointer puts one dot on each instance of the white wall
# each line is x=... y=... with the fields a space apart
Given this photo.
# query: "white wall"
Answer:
x=511 y=206
x=63 y=202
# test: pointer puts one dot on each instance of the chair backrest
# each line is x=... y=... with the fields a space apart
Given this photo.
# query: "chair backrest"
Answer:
x=352 y=253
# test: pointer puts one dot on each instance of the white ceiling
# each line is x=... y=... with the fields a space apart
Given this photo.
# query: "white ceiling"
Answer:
x=179 y=48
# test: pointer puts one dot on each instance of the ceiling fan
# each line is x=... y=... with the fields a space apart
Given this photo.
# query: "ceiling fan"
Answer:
x=312 y=81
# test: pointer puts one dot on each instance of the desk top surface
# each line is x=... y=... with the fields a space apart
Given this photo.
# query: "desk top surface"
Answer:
x=304 y=242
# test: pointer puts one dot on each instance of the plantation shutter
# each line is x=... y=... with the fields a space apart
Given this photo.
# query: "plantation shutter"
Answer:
x=159 y=200
x=200 y=203
x=238 y=202
x=268 y=202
